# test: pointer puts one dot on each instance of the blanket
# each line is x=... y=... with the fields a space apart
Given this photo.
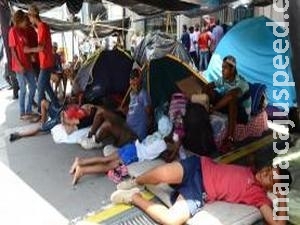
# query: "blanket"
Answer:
x=60 y=136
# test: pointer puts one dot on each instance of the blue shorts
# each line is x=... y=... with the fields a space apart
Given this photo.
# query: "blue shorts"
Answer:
x=54 y=114
x=191 y=187
x=127 y=154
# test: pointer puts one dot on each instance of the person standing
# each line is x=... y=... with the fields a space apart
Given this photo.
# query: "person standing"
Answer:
x=185 y=38
x=21 y=64
x=193 y=41
x=46 y=57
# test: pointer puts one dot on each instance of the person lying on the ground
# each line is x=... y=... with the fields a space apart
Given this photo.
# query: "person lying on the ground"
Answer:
x=138 y=118
x=150 y=148
x=200 y=180
x=232 y=96
x=73 y=118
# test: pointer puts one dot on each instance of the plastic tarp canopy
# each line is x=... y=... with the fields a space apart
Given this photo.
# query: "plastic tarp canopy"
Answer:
x=157 y=45
x=104 y=73
x=251 y=43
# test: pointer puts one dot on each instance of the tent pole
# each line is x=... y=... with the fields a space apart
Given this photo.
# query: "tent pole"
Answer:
x=294 y=32
x=123 y=26
x=73 y=18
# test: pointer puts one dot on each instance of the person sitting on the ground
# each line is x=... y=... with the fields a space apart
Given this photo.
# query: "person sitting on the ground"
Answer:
x=150 y=148
x=111 y=124
x=198 y=180
x=232 y=96
x=73 y=118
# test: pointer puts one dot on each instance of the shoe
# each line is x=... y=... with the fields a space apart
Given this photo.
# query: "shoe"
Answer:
x=123 y=196
x=25 y=117
x=90 y=143
x=14 y=137
x=108 y=150
x=127 y=184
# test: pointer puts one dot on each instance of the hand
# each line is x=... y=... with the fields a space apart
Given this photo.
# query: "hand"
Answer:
x=22 y=69
x=26 y=49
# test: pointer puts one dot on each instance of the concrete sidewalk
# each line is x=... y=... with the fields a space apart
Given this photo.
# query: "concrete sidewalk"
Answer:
x=43 y=166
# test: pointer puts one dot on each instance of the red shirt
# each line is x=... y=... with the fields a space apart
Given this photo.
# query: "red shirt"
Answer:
x=32 y=41
x=232 y=183
x=18 y=40
x=203 y=40
x=44 y=38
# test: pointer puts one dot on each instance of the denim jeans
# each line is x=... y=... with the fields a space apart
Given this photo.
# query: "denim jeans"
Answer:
x=45 y=87
x=23 y=79
x=204 y=55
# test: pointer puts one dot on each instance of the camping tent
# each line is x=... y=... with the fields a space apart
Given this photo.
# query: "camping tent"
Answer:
x=161 y=76
x=158 y=44
x=104 y=73
x=251 y=43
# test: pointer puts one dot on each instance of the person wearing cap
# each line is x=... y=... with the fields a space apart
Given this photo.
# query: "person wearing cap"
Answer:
x=148 y=149
x=232 y=96
x=72 y=118
x=21 y=65
x=46 y=58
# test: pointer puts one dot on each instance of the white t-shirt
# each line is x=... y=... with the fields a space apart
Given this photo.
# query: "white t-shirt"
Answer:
x=151 y=147
x=193 y=39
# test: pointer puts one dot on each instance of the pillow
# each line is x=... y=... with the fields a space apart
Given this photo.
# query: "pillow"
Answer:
x=257 y=92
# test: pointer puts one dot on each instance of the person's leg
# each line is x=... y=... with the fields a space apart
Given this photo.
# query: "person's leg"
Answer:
x=99 y=167
x=44 y=110
x=97 y=122
x=32 y=88
x=27 y=133
x=170 y=173
x=230 y=100
x=201 y=61
x=177 y=214
x=22 y=84
x=49 y=89
x=206 y=55
x=41 y=87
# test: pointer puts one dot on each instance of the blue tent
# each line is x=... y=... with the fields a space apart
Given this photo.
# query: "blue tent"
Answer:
x=251 y=43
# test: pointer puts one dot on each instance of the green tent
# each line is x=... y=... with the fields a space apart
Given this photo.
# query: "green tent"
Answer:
x=161 y=76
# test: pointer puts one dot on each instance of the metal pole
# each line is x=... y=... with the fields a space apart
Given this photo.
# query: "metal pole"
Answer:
x=123 y=26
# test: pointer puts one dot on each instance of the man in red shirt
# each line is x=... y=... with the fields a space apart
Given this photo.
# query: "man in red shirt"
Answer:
x=204 y=43
x=20 y=63
x=198 y=180
x=46 y=58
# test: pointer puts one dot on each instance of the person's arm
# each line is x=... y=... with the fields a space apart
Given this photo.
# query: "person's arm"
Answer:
x=14 y=55
x=39 y=48
x=267 y=213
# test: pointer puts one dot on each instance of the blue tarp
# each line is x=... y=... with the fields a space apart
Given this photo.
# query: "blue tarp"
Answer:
x=251 y=42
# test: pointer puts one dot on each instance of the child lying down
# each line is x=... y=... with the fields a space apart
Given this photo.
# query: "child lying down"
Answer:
x=73 y=118
x=150 y=148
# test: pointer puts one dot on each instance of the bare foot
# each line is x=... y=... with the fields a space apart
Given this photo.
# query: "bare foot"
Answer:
x=75 y=164
x=78 y=173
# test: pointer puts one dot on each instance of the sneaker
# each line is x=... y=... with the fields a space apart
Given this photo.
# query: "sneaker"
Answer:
x=90 y=143
x=127 y=184
x=14 y=137
x=123 y=196
x=108 y=150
